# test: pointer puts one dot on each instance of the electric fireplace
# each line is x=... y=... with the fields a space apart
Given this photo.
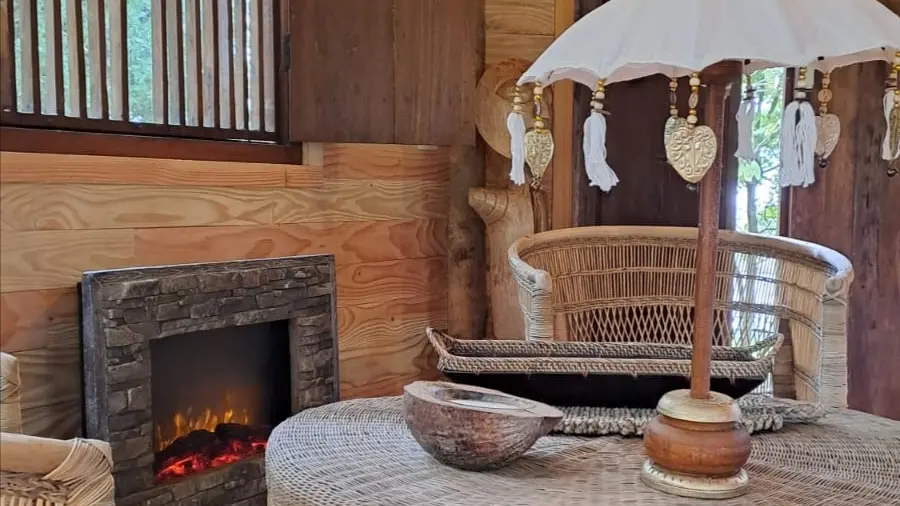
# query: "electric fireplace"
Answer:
x=189 y=367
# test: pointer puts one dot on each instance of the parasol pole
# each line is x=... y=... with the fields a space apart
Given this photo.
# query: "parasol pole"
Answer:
x=718 y=79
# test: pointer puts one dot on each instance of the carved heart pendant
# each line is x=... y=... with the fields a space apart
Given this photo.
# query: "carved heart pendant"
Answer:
x=671 y=124
x=691 y=151
x=538 y=151
x=828 y=132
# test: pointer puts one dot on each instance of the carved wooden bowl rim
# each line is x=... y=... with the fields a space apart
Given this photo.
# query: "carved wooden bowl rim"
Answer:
x=473 y=398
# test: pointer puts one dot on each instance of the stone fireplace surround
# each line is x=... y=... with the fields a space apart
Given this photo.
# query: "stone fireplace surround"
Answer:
x=123 y=310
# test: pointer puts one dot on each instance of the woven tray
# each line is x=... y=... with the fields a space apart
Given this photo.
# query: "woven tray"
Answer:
x=611 y=375
x=760 y=414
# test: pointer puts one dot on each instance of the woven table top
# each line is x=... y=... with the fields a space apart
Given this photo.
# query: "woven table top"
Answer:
x=361 y=453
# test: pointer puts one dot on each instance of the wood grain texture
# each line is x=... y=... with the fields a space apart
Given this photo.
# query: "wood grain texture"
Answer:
x=560 y=175
x=360 y=200
x=38 y=319
x=53 y=259
x=383 y=346
x=349 y=242
x=88 y=207
x=532 y=17
x=501 y=46
x=371 y=284
x=328 y=103
x=385 y=162
x=81 y=207
x=64 y=169
x=51 y=391
x=508 y=215
x=437 y=58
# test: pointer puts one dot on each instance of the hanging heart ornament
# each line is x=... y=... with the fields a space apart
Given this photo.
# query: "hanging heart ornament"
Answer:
x=828 y=132
x=538 y=151
x=691 y=151
x=671 y=124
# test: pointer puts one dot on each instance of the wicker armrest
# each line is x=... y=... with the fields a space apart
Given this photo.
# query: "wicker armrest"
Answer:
x=36 y=468
x=10 y=403
x=535 y=287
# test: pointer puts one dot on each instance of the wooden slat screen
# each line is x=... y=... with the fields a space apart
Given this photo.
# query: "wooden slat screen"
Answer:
x=194 y=68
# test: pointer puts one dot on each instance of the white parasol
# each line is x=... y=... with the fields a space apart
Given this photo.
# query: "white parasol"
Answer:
x=630 y=39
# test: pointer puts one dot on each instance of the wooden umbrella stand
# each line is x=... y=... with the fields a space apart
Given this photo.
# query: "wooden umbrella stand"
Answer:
x=697 y=445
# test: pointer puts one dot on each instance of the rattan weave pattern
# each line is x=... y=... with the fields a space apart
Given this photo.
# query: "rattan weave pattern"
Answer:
x=360 y=452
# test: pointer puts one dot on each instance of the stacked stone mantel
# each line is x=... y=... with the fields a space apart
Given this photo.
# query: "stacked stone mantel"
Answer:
x=123 y=310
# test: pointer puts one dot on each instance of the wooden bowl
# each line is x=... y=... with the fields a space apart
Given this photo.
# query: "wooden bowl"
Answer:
x=474 y=428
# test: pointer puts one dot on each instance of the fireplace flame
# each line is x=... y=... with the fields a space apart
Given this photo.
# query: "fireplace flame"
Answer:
x=185 y=423
x=212 y=438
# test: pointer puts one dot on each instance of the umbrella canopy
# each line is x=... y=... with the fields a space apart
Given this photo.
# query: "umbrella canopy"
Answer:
x=629 y=39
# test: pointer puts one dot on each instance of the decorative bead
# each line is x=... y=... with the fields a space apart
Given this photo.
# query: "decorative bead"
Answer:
x=673 y=85
x=595 y=104
x=692 y=119
x=799 y=95
x=599 y=95
x=695 y=81
x=518 y=109
x=538 y=91
x=825 y=95
x=599 y=106
x=538 y=124
x=518 y=100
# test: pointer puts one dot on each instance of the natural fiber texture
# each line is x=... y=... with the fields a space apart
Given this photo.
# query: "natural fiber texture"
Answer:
x=361 y=453
x=636 y=284
x=509 y=356
x=10 y=398
x=760 y=414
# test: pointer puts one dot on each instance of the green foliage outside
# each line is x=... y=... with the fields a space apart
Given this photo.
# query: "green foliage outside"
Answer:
x=759 y=191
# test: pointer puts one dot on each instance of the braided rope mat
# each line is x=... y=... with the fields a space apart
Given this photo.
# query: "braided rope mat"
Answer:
x=360 y=452
x=760 y=414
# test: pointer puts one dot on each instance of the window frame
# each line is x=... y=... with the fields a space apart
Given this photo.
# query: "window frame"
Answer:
x=57 y=134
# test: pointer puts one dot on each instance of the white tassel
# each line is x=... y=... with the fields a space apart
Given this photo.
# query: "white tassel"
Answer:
x=888 y=152
x=598 y=170
x=798 y=145
x=515 y=123
x=745 y=117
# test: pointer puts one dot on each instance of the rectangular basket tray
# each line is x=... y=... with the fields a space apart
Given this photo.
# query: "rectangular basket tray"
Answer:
x=633 y=375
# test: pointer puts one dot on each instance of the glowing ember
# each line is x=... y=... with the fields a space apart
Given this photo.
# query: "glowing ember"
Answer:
x=206 y=441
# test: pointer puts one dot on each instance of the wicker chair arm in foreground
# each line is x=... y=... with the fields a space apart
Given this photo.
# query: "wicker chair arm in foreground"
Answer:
x=635 y=284
x=42 y=471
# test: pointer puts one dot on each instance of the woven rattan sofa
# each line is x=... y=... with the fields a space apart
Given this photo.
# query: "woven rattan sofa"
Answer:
x=635 y=284
x=37 y=471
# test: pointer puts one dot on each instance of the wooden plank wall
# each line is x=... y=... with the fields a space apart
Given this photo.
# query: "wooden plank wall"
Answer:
x=381 y=210
x=517 y=28
x=853 y=208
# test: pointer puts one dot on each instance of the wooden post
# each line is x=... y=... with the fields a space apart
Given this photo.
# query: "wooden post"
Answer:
x=718 y=80
x=465 y=252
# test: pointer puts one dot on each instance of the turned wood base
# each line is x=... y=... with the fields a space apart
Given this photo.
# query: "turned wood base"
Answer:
x=697 y=447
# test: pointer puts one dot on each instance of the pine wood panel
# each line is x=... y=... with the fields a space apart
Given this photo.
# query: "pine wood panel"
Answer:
x=30 y=206
x=383 y=347
x=79 y=207
x=48 y=168
x=502 y=46
x=385 y=162
x=38 y=319
x=371 y=284
x=350 y=242
x=361 y=200
x=51 y=391
x=532 y=17
x=53 y=259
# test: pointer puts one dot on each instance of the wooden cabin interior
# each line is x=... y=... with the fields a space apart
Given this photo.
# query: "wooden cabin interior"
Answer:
x=230 y=130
